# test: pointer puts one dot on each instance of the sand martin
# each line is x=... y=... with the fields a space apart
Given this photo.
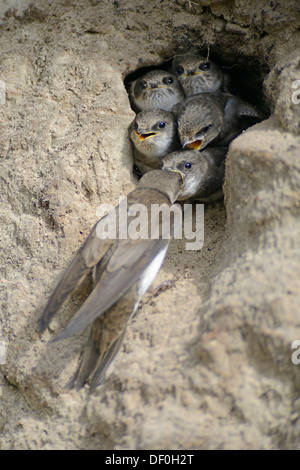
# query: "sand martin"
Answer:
x=123 y=270
x=215 y=118
x=203 y=172
x=154 y=134
x=155 y=89
x=197 y=74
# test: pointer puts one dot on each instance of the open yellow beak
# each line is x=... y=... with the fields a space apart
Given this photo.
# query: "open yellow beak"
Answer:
x=196 y=145
x=145 y=136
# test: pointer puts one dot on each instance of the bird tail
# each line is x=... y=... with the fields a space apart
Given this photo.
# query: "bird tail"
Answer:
x=94 y=362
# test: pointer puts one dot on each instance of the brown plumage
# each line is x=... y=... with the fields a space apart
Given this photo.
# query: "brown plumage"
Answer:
x=123 y=271
x=196 y=74
x=214 y=118
x=153 y=134
x=155 y=89
x=203 y=172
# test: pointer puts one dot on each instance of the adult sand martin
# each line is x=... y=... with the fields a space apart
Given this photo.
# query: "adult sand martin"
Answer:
x=123 y=270
x=154 y=134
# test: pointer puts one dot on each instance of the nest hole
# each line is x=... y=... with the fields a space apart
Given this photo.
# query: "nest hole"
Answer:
x=246 y=74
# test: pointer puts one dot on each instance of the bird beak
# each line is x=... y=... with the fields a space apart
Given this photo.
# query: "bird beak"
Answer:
x=184 y=143
x=194 y=144
x=191 y=73
x=143 y=137
x=152 y=86
x=182 y=176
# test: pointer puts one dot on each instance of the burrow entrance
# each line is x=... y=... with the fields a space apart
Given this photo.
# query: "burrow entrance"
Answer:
x=246 y=74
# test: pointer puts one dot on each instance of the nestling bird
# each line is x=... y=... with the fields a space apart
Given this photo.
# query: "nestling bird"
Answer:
x=124 y=268
x=214 y=118
x=197 y=74
x=154 y=134
x=203 y=172
x=155 y=89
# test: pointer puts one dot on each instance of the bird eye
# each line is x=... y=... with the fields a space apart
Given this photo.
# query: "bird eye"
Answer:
x=180 y=69
x=143 y=84
x=168 y=80
x=204 y=66
x=161 y=125
x=188 y=166
x=206 y=128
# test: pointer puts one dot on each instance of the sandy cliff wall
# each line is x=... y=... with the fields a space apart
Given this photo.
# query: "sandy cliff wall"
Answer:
x=206 y=363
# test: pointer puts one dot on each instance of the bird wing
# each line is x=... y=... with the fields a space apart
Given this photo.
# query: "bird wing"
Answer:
x=90 y=253
x=214 y=182
x=241 y=108
x=125 y=266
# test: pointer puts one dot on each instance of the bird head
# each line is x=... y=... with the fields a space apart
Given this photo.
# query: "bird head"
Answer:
x=194 y=168
x=156 y=89
x=197 y=74
x=169 y=182
x=199 y=123
x=153 y=132
x=154 y=80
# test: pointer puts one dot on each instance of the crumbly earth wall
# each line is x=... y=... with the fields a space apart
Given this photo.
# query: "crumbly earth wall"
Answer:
x=206 y=362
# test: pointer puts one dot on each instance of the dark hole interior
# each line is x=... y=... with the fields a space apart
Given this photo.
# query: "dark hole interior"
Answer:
x=246 y=75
